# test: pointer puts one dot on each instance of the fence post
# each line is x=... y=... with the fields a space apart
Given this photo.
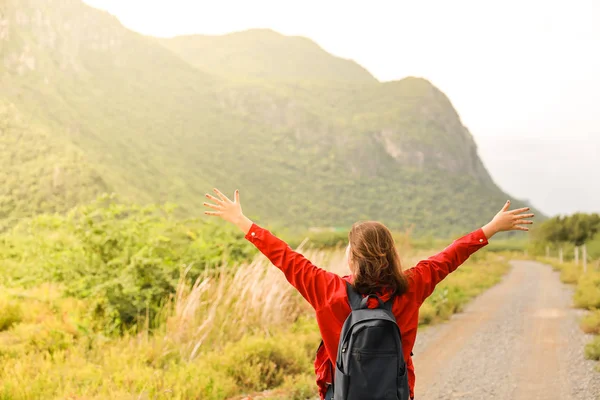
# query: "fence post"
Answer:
x=576 y=255
x=584 y=256
x=560 y=255
x=547 y=251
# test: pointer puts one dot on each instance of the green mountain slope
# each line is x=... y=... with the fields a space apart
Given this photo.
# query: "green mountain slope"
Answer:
x=262 y=53
x=38 y=173
x=152 y=125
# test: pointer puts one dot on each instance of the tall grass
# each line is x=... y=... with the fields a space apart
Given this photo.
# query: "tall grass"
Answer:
x=231 y=331
x=228 y=332
x=252 y=298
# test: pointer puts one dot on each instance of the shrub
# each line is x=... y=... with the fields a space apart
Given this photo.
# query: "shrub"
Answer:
x=570 y=273
x=32 y=338
x=127 y=259
x=592 y=349
x=10 y=313
x=587 y=294
x=427 y=313
x=210 y=383
x=591 y=322
x=300 y=387
x=261 y=363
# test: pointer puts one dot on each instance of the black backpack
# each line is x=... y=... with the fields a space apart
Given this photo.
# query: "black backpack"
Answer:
x=370 y=363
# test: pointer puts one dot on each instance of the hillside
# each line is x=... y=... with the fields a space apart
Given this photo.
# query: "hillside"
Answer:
x=38 y=173
x=265 y=54
x=106 y=109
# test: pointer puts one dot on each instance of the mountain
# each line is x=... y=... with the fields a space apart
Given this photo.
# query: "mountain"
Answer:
x=265 y=54
x=87 y=106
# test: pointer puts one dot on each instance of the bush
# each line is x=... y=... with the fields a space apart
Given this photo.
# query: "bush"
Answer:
x=592 y=349
x=10 y=313
x=427 y=313
x=261 y=363
x=570 y=273
x=591 y=322
x=43 y=338
x=300 y=387
x=211 y=384
x=587 y=294
x=127 y=259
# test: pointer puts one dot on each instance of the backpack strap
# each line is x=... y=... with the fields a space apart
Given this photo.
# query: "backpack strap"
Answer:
x=389 y=304
x=354 y=298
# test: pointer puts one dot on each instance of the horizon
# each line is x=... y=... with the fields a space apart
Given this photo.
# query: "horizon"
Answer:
x=527 y=94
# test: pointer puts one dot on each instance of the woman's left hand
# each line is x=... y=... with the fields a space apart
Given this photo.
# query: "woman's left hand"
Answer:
x=508 y=220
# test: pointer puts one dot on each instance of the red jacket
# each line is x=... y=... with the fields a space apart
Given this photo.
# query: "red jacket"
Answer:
x=326 y=292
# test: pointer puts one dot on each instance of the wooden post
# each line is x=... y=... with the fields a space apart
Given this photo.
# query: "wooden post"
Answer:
x=547 y=251
x=560 y=255
x=584 y=256
x=576 y=255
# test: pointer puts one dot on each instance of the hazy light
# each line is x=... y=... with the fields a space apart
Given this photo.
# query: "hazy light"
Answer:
x=520 y=73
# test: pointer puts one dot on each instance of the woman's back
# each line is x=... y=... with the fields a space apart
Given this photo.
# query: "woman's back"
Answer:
x=332 y=317
x=326 y=292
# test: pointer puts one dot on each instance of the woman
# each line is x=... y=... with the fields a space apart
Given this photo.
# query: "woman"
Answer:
x=375 y=267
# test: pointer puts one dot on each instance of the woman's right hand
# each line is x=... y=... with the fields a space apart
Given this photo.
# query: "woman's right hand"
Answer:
x=230 y=211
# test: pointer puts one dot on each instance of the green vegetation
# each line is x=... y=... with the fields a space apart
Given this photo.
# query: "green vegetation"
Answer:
x=567 y=232
x=114 y=300
x=591 y=323
x=251 y=54
x=577 y=229
x=126 y=259
x=587 y=296
x=39 y=174
x=310 y=140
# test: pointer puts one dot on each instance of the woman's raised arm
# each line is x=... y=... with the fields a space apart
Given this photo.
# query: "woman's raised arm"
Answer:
x=428 y=273
x=313 y=283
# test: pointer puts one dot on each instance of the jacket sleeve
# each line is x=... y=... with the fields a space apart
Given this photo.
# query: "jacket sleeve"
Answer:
x=428 y=273
x=313 y=283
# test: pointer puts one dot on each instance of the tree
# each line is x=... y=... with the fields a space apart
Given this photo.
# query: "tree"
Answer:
x=582 y=227
x=554 y=230
x=577 y=229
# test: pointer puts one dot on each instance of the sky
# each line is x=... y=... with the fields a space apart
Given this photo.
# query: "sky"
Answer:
x=524 y=75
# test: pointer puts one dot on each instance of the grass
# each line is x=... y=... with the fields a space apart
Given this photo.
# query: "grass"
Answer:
x=587 y=296
x=10 y=313
x=206 y=343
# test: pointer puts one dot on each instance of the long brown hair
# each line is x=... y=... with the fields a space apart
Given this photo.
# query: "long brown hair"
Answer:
x=375 y=259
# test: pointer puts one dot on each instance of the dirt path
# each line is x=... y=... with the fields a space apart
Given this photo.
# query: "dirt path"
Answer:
x=519 y=340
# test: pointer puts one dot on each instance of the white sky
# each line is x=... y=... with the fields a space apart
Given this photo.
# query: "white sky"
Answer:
x=523 y=74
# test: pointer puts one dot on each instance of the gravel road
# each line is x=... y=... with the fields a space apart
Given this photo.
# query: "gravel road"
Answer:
x=519 y=340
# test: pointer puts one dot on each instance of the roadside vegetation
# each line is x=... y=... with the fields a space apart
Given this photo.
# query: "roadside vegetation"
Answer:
x=571 y=245
x=114 y=300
